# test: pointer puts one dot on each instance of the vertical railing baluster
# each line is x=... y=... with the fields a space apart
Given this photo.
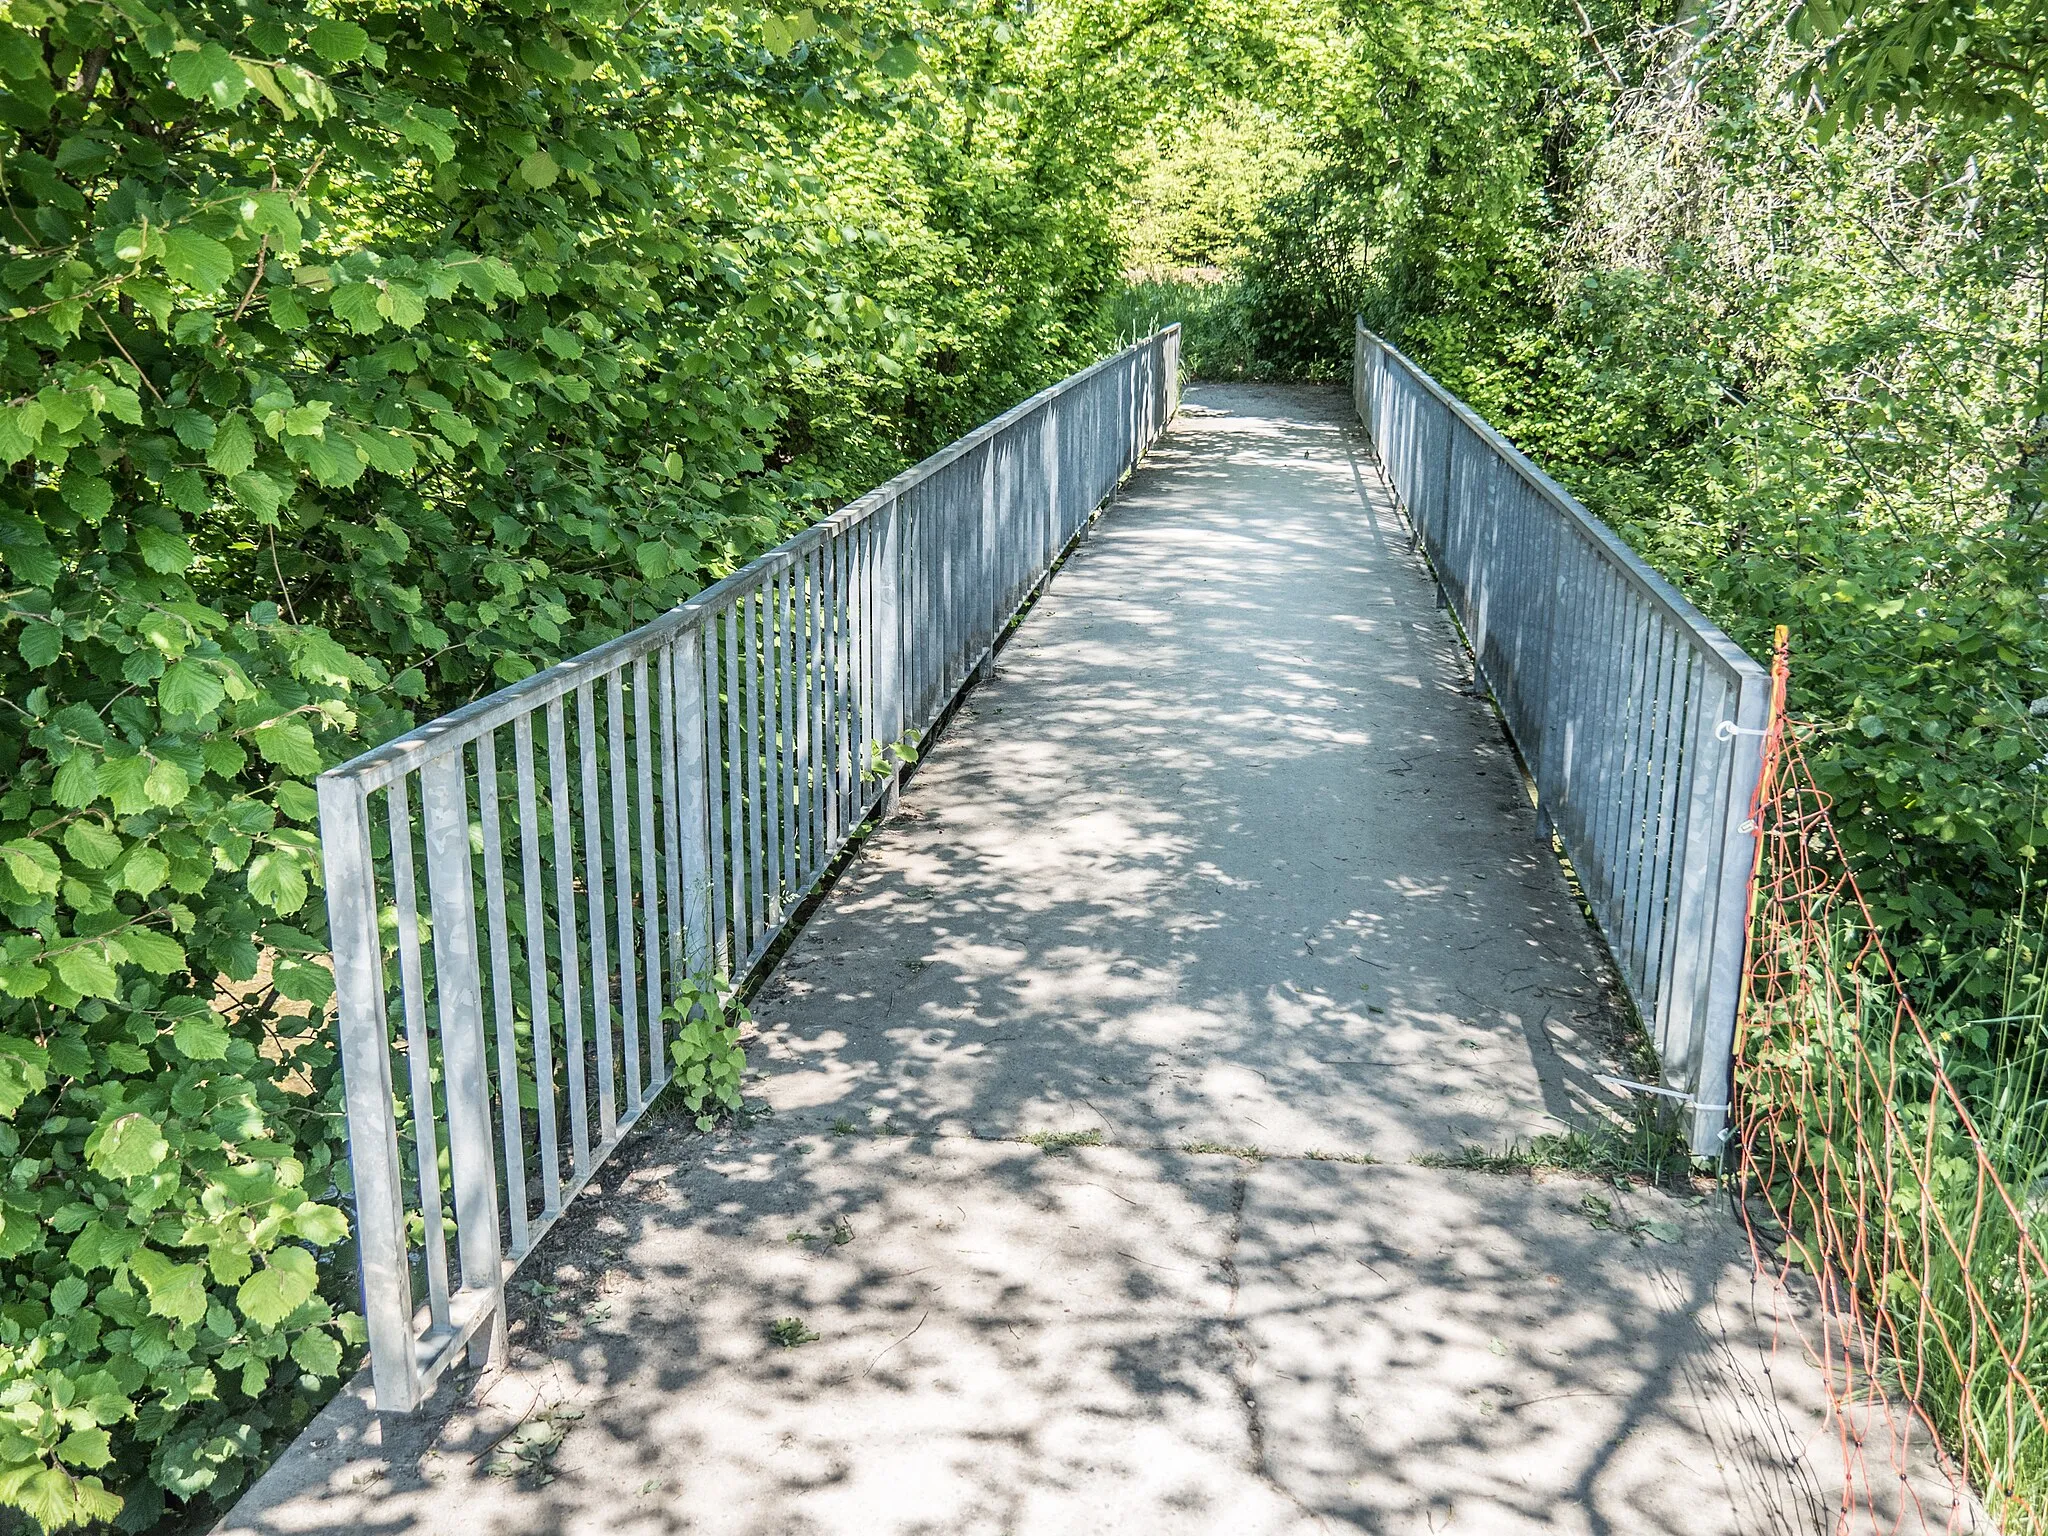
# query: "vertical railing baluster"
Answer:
x=732 y=838
x=622 y=882
x=766 y=760
x=418 y=1054
x=465 y=1075
x=650 y=875
x=575 y=1068
x=835 y=688
x=595 y=897
x=758 y=824
x=673 y=773
x=364 y=1034
x=889 y=613
x=530 y=890
x=696 y=795
x=814 y=730
x=789 y=799
x=501 y=989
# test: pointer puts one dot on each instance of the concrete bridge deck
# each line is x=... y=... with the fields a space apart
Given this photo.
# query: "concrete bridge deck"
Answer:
x=1103 y=1102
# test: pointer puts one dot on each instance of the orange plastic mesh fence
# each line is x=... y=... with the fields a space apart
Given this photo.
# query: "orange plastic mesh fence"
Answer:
x=1862 y=1169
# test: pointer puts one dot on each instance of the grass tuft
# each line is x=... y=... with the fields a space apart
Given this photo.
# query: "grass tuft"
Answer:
x=790 y=1332
x=1652 y=1149
x=1059 y=1141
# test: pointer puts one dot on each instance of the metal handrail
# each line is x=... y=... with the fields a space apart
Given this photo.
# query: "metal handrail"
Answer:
x=1639 y=721
x=652 y=812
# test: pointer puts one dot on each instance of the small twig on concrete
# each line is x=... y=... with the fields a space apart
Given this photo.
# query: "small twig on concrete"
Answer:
x=878 y=1359
x=506 y=1433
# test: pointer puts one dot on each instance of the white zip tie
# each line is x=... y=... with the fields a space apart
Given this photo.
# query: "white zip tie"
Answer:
x=1662 y=1093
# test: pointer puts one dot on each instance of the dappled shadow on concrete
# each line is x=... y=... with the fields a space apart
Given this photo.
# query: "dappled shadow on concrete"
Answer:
x=1228 y=855
x=1228 y=851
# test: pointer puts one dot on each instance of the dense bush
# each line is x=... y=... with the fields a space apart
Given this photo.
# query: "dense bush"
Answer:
x=355 y=361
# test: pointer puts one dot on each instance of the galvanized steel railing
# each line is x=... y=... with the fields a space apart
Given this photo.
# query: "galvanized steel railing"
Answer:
x=1640 y=722
x=652 y=811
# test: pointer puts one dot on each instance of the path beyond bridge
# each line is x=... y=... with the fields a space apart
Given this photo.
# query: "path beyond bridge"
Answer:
x=1103 y=1094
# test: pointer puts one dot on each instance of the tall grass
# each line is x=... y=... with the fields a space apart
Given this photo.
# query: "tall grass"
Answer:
x=1906 y=1162
x=1217 y=339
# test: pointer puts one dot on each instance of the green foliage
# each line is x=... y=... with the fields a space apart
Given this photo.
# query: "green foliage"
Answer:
x=709 y=1059
x=1977 y=61
x=1872 y=1173
x=1770 y=302
x=353 y=363
x=1219 y=337
x=1199 y=188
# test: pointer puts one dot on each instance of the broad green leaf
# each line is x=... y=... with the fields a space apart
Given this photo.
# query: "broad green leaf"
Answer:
x=34 y=865
x=338 y=42
x=401 y=305
x=287 y=310
x=276 y=880
x=539 y=170
x=88 y=495
x=21 y=53
x=157 y=953
x=21 y=428
x=259 y=493
x=201 y=1036
x=144 y=870
x=126 y=1147
x=234 y=445
x=302 y=981
x=196 y=259
x=317 y=1352
x=40 y=643
x=166 y=784
x=333 y=460
x=285 y=1283
x=210 y=74
x=356 y=303
x=190 y=688
x=320 y=1225
x=88 y=1448
x=163 y=550
x=176 y=1291
x=99 y=1246
x=91 y=843
x=290 y=745
x=121 y=780
x=85 y=969
x=50 y=1498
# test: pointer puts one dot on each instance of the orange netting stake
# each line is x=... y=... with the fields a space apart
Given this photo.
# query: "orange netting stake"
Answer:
x=1861 y=1166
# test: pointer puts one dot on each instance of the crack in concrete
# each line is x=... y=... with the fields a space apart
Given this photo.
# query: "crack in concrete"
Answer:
x=1244 y=1357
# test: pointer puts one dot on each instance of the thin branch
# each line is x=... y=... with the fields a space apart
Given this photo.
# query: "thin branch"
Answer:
x=1593 y=37
x=146 y=383
x=262 y=253
x=283 y=591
